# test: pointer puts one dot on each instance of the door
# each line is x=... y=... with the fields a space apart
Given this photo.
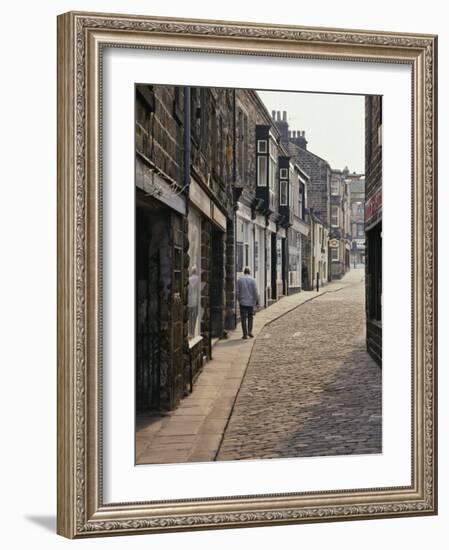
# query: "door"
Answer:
x=147 y=317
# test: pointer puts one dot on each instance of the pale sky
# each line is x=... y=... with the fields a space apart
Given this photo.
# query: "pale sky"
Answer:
x=334 y=124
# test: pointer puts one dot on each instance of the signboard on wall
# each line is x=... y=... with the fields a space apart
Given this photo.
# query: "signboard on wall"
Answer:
x=373 y=209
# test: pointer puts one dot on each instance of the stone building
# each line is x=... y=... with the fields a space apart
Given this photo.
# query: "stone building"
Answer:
x=328 y=200
x=356 y=183
x=216 y=191
x=373 y=224
x=255 y=218
x=319 y=173
x=184 y=235
x=293 y=206
x=339 y=235
x=317 y=253
x=270 y=194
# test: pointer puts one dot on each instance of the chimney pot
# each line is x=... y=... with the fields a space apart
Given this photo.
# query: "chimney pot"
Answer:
x=273 y=115
x=284 y=116
x=279 y=115
x=303 y=134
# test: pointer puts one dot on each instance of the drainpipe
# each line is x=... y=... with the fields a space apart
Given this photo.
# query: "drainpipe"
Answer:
x=187 y=132
x=234 y=139
x=186 y=183
x=235 y=208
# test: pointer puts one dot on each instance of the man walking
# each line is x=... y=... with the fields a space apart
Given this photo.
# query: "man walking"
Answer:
x=248 y=298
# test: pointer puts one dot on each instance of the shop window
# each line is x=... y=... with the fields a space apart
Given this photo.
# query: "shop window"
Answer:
x=194 y=287
x=244 y=246
x=334 y=254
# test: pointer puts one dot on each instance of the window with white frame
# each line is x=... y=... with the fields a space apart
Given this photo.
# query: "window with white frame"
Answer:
x=334 y=254
x=283 y=173
x=334 y=215
x=262 y=171
x=335 y=187
x=262 y=146
x=283 y=193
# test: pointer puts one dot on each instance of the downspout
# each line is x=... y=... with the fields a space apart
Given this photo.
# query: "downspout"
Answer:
x=187 y=138
x=186 y=187
x=234 y=179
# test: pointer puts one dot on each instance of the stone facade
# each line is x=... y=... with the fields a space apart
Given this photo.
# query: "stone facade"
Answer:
x=169 y=184
x=319 y=173
x=199 y=205
x=357 y=218
x=373 y=224
x=340 y=238
x=221 y=184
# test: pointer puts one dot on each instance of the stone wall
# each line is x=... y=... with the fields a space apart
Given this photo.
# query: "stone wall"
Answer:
x=373 y=145
x=318 y=189
x=158 y=132
x=230 y=313
x=373 y=183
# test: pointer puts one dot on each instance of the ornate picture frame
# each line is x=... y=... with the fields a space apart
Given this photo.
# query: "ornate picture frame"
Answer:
x=82 y=38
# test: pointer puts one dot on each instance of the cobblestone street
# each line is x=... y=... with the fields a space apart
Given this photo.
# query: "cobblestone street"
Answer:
x=310 y=388
x=304 y=386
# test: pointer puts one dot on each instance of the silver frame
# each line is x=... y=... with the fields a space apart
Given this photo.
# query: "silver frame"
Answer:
x=81 y=39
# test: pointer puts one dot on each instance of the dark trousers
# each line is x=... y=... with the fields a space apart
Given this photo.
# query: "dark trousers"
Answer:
x=246 y=315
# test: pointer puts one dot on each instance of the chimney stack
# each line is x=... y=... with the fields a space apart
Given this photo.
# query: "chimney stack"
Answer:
x=299 y=138
x=282 y=126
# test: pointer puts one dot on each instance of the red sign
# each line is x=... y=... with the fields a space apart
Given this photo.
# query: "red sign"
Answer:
x=373 y=206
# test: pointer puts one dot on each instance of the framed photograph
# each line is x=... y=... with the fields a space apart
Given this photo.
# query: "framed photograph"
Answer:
x=246 y=274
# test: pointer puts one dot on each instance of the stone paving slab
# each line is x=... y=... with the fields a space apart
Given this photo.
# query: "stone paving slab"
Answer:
x=198 y=424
